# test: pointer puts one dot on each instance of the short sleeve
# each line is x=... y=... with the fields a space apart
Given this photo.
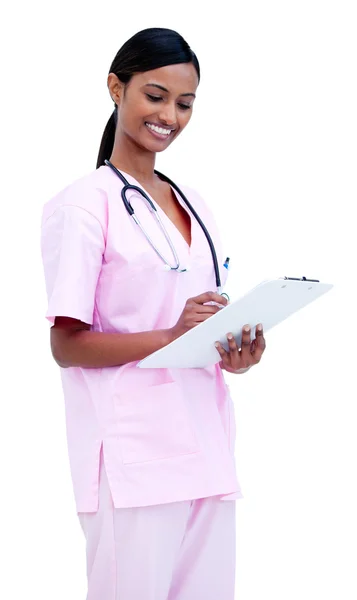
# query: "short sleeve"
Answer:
x=72 y=247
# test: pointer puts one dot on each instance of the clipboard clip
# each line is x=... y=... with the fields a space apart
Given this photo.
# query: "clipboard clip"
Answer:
x=301 y=279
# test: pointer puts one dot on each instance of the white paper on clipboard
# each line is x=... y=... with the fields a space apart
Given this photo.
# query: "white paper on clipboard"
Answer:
x=270 y=303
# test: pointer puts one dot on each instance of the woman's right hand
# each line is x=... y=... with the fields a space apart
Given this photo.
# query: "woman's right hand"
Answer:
x=196 y=311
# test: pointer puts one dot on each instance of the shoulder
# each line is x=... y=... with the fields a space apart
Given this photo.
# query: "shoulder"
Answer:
x=86 y=195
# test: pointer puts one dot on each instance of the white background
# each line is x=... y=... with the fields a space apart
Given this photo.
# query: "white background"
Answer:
x=275 y=124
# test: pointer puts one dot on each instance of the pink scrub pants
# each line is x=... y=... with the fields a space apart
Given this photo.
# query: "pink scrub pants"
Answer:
x=177 y=551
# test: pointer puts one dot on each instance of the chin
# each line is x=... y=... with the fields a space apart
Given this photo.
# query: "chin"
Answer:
x=153 y=147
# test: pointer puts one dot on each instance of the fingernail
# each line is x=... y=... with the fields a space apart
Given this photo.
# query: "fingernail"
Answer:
x=246 y=328
x=260 y=327
x=217 y=344
x=230 y=336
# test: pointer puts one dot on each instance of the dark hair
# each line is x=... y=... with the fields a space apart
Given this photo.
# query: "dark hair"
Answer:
x=146 y=50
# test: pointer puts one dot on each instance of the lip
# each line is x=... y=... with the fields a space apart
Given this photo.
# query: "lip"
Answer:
x=159 y=136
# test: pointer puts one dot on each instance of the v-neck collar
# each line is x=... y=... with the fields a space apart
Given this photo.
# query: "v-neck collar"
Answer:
x=162 y=213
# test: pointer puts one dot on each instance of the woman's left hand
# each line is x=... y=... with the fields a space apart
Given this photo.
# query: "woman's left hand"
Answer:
x=241 y=360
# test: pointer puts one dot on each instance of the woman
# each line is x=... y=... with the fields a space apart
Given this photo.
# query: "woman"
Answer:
x=151 y=450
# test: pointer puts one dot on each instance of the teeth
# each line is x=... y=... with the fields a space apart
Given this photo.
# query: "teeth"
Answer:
x=158 y=129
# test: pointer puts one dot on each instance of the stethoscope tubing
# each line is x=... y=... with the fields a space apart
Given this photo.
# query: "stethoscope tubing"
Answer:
x=152 y=208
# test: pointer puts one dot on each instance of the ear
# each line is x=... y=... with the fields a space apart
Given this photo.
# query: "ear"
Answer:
x=115 y=87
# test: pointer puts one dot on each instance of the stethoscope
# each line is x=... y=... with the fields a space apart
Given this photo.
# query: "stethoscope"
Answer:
x=153 y=210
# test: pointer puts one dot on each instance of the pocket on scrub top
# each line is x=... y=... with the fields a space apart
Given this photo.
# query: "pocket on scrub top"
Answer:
x=153 y=424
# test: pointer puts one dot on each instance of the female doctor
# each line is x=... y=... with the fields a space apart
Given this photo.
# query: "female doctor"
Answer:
x=151 y=450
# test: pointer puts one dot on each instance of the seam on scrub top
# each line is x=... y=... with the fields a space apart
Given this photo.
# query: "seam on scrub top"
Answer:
x=227 y=401
x=114 y=560
x=80 y=208
x=228 y=397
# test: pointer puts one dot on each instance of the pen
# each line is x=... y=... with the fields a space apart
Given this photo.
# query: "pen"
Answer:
x=219 y=290
x=226 y=266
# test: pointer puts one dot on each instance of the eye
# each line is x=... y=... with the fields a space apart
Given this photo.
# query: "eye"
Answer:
x=153 y=98
x=184 y=106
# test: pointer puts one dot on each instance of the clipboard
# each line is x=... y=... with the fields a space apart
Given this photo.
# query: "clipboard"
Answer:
x=270 y=303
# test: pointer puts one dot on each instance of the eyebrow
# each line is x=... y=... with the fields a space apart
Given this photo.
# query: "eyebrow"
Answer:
x=160 y=87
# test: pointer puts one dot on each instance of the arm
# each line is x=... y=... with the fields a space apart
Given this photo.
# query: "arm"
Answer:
x=74 y=345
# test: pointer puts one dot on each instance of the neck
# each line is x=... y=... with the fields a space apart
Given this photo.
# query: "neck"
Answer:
x=132 y=159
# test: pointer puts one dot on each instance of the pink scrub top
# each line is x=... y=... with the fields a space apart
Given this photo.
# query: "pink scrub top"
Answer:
x=167 y=435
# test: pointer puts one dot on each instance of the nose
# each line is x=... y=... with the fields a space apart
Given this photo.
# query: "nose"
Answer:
x=167 y=114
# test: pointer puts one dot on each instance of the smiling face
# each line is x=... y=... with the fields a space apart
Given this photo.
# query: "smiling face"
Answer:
x=155 y=106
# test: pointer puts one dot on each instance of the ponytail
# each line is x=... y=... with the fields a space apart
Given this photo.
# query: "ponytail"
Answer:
x=107 y=143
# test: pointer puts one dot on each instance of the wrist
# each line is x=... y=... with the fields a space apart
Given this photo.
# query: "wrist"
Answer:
x=240 y=371
x=234 y=371
x=168 y=336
